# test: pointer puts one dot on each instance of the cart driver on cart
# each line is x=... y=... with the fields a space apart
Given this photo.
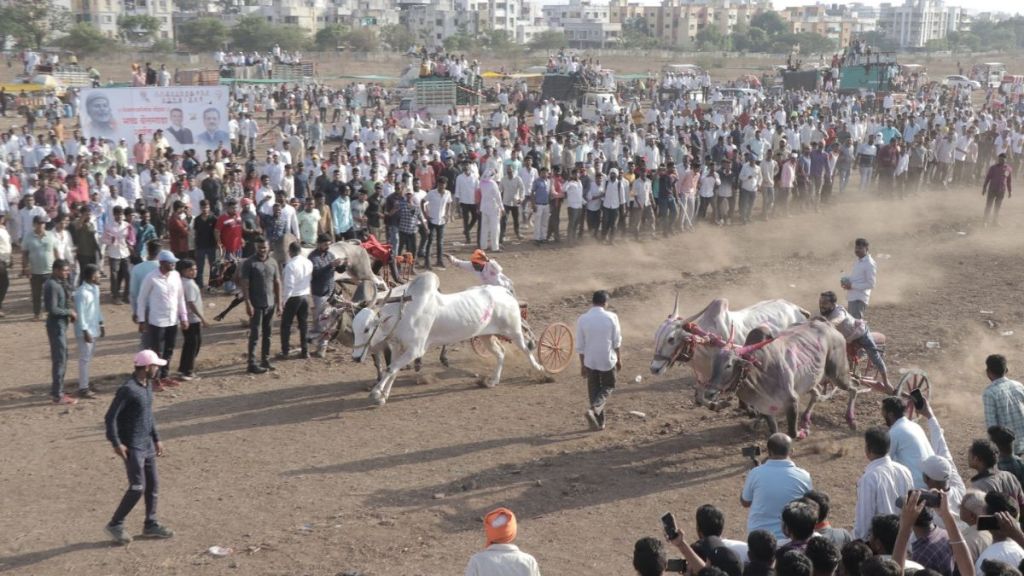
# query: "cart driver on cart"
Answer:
x=856 y=332
x=487 y=269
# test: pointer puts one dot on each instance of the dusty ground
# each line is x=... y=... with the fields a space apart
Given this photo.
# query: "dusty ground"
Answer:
x=299 y=468
x=300 y=475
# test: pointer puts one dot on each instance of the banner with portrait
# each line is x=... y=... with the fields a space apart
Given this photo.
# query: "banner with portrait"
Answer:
x=189 y=116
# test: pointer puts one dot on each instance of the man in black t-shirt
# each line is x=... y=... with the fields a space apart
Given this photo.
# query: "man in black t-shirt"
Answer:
x=205 y=240
x=260 y=281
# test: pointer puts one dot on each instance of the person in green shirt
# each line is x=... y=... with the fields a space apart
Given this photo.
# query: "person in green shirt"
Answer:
x=39 y=250
x=309 y=220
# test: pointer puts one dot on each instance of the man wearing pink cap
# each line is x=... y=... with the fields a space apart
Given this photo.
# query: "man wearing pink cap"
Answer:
x=131 y=430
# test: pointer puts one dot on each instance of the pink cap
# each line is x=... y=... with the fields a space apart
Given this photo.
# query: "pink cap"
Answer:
x=149 y=358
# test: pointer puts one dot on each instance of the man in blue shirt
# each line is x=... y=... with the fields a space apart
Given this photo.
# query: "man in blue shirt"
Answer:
x=772 y=485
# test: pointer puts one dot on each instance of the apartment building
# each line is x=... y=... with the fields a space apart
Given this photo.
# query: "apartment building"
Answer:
x=104 y=14
x=837 y=22
x=677 y=22
x=915 y=22
x=585 y=24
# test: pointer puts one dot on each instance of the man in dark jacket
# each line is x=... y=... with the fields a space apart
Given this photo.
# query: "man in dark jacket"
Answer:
x=131 y=430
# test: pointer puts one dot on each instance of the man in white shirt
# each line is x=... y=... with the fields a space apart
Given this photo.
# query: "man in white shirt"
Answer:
x=501 y=557
x=298 y=273
x=437 y=209
x=881 y=484
x=160 y=309
x=613 y=199
x=465 y=194
x=598 y=340
x=513 y=190
x=750 y=181
x=491 y=212
x=861 y=281
x=908 y=444
x=573 y=189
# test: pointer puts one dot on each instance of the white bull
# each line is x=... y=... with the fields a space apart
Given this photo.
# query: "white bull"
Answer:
x=697 y=339
x=424 y=317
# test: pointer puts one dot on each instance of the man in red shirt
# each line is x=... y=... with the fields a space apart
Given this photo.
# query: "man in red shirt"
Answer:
x=228 y=231
x=997 y=184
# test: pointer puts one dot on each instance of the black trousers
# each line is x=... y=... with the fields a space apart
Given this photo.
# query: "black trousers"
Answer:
x=407 y=243
x=609 y=218
x=436 y=236
x=118 y=277
x=5 y=282
x=555 y=219
x=509 y=211
x=470 y=218
x=294 y=307
x=190 y=348
x=161 y=340
x=600 y=384
x=594 y=222
x=259 y=330
x=36 y=282
x=86 y=259
x=142 y=480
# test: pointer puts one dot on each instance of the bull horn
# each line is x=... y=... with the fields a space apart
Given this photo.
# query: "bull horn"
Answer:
x=675 y=307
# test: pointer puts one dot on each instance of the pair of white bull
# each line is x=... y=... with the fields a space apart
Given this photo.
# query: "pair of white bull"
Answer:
x=785 y=357
x=417 y=316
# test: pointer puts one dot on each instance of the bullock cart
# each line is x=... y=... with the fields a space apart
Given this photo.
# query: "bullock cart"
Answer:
x=864 y=373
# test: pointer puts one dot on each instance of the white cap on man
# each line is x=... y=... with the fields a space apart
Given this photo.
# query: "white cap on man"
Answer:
x=148 y=358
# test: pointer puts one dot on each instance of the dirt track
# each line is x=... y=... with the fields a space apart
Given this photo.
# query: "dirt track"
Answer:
x=299 y=466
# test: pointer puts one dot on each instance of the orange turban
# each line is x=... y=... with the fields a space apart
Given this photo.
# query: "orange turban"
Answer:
x=500 y=526
x=479 y=257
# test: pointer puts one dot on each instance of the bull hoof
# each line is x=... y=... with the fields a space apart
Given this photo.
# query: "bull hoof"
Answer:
x=369 y=386
x=377 y=397
x=802 y=433
x=445 y=363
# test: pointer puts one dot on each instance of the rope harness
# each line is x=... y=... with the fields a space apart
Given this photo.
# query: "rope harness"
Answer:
x=401 y=309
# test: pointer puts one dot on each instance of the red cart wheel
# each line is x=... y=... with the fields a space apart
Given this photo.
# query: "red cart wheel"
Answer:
x=555 y=347
x=914 y=379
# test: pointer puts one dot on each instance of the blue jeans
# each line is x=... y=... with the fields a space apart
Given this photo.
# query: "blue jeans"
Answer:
x=204 y=255
x=868 y=344
x=57 y=333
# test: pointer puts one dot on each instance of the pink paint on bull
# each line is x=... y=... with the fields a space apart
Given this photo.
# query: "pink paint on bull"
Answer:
x=486 y=316
x=696 y=339
x=801 y=359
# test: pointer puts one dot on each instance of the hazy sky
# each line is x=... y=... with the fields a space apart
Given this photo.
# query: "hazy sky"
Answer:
x=972 y=5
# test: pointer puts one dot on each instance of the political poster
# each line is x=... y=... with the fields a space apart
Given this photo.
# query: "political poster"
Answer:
x=189 y=116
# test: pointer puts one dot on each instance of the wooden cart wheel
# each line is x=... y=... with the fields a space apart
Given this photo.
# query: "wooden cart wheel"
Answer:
x=481 y=345
x=863 y=369
x=914 y=379
x=555 y=347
